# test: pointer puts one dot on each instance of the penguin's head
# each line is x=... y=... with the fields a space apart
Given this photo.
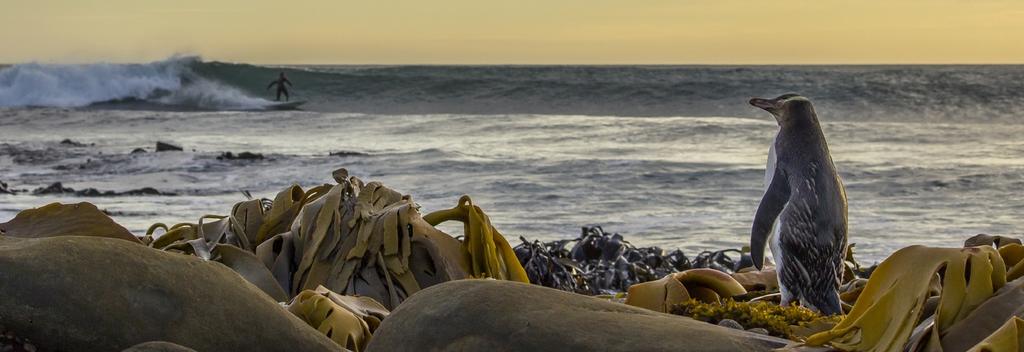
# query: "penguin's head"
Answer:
x=786 y=108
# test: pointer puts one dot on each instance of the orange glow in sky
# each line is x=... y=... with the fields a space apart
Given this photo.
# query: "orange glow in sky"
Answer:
x=517 y=32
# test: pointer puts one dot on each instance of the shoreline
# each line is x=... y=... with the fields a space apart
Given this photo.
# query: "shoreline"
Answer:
x=392 y=264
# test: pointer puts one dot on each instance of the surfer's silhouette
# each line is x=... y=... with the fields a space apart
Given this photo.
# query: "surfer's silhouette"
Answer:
x=281 y=89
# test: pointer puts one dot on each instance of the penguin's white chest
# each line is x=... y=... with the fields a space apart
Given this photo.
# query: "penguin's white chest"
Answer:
x=769 y=170
x=769 y=173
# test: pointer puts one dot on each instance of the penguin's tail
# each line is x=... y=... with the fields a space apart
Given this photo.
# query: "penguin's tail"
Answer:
x=827 y=304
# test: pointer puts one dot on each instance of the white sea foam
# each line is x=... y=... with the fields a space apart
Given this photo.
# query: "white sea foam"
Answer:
x=168 y=82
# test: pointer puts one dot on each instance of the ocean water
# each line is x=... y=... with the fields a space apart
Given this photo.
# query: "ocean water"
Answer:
x=666 y=155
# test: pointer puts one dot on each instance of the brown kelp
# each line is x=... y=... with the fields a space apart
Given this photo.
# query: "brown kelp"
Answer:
x=347 y=320
x=489 y=253
x=705 y=285
x=351 y=237
x=598 y=262
x=361 y=238
x=889 y=308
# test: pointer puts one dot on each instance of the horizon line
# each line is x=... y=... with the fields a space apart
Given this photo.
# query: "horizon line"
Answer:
x=537 y=64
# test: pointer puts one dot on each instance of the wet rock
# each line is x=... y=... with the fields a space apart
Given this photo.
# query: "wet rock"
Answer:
x=71 y=143
x=144 y=191
x=761 y=331
x=491 y=315
x=82 y=298
x=92 y=192
x=58 y=188
x=167 y=147
x=138 y=151
x=982 y=239
x=4 y=189
x=240 y=156
x=158 y=346
x=732 y=324
x=347 y=153
x=53 y=188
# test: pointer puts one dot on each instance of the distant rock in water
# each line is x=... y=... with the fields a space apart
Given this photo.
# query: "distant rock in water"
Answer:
x=71 y=143
x=347 y=153
x=4 y=189
x=145 y=191
x=240 y=156
x=58 y=188
x=138 y=151
x=54 y=188
x=167 y=147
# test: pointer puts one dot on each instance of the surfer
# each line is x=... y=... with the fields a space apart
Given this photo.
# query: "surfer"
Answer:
x=281 y=89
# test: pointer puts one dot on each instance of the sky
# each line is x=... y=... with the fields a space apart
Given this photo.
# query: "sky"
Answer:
x=516 y=32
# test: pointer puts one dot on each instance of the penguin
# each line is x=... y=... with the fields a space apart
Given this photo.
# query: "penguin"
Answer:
x=803 y=209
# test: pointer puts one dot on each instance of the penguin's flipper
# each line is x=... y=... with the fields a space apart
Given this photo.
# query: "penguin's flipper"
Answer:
x=774 y=199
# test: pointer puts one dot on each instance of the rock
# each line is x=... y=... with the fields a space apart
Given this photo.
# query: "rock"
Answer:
x=138 y=151
x=761 y=331
x=71 y=143
x=58 y=188
x=158 y=346
x=53 y=188
x=347 y=153
x=56 y=219
x=240 y=156
x=81 y=298
x=167 y=147
x=145 y=191
x=982 y=239
x=92 y=192
x=732 y=324
x=4 y=189
x=490 y=315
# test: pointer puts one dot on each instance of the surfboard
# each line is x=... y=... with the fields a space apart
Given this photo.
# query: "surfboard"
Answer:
x=291 y=105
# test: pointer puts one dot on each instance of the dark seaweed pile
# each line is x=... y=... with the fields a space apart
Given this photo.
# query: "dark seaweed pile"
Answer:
x=601 y=263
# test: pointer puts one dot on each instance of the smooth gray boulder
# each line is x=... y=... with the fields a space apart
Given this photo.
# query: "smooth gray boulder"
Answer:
x=75 y=293
x=158 y=346
x=490 y=315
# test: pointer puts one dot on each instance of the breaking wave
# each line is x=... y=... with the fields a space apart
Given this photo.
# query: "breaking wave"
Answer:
x=172 y=83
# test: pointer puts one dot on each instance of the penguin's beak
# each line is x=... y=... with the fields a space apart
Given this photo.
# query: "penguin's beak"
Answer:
x=766 y=104
x=769 y=105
